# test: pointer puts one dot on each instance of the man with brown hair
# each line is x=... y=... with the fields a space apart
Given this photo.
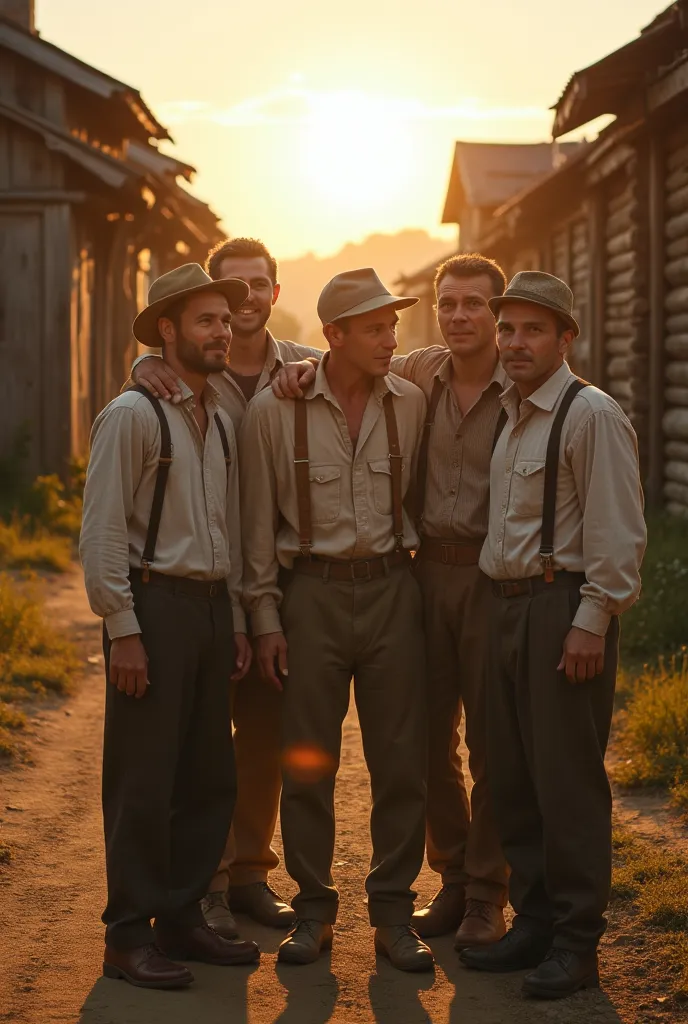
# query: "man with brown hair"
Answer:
x=241 y=881
x=463 y=388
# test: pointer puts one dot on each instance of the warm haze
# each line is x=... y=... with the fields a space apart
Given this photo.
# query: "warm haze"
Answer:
x=313 y=124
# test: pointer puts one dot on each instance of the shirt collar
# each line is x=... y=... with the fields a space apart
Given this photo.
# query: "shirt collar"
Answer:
x=210 y=392
x=546 y=396
x=272 y=356
x=444 y=372
x=321 y=385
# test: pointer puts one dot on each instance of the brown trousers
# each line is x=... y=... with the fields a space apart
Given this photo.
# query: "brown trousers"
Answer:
x=462 y=842
x=371 y=631
x=256 y=714
x=546 y=744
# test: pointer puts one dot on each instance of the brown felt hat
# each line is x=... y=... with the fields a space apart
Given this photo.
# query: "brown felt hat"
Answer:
x=355 y=292
x=543 y=290
x=178 y=284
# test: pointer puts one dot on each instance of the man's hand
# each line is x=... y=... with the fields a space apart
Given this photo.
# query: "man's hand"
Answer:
x=244 y=656
x=157 y=378
x=293 y=378
x=583 y=656
x=129 y=665
x=272 y=646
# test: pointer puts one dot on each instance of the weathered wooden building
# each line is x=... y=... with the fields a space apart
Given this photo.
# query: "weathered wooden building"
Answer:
x=90 y=208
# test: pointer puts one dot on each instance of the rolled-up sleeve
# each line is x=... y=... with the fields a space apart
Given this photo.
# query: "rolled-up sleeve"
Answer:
x=235 y=577
x=604 y=459
x=262 y=596
x=118 y=452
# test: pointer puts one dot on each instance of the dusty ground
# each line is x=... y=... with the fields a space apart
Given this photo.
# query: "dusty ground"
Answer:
x=52 y=895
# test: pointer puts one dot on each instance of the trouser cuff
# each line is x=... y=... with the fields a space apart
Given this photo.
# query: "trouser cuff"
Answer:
x=390 y=915
x=190 y=917
x=129 y=936
x=315 y=911
x=240 y=878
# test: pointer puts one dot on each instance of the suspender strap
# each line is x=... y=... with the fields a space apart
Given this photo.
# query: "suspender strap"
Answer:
x=223 y=438
x=395 y=466
x=302 y=471
x=549 y=505
x=164 y=463
x=422 y=470
x=501 y=423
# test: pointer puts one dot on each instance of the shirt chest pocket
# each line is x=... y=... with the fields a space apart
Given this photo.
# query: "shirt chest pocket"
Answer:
x=528 y=488
x=381 y=477
x=326 y=493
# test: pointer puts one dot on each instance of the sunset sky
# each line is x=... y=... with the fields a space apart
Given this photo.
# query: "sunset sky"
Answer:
x=314 y=123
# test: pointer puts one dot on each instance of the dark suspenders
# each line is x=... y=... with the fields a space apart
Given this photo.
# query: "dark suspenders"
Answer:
x=302 y=473
x=164 y=463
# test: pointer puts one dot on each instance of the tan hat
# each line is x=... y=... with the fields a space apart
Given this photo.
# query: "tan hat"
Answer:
x=543 y=290
x=354 y=292
x=177 y=284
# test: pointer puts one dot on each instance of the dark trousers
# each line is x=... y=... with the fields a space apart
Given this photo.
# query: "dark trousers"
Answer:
x=168 y=767
x=373 y=632
x=547 y=739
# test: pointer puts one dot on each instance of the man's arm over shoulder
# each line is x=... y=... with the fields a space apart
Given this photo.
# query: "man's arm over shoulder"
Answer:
x=262 y=596
x=604 y=459
x=233 y=519
x=122 y=437
x=421 y=365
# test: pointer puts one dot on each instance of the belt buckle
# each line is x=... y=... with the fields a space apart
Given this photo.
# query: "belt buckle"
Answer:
x=445 y=554
x=361 y=579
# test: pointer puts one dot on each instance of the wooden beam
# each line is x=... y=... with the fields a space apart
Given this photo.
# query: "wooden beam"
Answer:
x=657 y=260
x=43 y=197
x=597 y=285
x=669 y=87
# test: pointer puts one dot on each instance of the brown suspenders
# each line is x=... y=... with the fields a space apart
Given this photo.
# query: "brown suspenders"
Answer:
x=302 y=473
x=164 y=463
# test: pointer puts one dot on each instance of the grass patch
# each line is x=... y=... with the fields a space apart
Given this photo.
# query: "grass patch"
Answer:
x=651 y=882
x=658 y=624
x=653 y=740
x=22 y=548
x=35 y=659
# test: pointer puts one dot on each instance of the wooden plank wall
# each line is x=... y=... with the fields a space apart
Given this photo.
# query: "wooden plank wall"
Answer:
x=675 y=421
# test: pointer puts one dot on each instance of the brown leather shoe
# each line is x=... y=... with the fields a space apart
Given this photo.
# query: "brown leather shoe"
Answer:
x=145 y=967
x=443 y=914
x=263 y=904
x=206 y=946
x=483 y=923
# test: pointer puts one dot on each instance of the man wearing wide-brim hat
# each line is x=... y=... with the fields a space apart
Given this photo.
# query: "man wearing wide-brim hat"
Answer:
x=564 y=547
x=161 y=549
x=327 y=544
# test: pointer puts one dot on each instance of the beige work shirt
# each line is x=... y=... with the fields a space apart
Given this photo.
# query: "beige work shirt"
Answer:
x=457 y=494
x=200 y=534
x=231 y=397
x=351 y=491
x=599 y=524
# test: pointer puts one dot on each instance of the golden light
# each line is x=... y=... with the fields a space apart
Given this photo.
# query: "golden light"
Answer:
x=308 y=764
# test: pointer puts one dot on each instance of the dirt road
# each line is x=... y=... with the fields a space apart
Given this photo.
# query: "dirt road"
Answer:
x=52 y=895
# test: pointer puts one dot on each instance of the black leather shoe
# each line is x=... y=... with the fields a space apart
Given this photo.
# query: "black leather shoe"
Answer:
x=562 y=973
x=518 y=950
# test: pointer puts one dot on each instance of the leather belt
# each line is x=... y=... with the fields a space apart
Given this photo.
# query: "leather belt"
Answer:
x=181 y=584
x=536 y=584
x=360 y=571
x=449 y=552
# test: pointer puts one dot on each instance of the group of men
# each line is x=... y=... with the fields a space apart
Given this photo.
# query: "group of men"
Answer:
x=456 y=530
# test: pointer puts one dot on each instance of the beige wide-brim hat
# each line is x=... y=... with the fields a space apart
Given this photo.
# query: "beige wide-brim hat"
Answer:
x=543 y=290
x=355 y=292
x=178 y=284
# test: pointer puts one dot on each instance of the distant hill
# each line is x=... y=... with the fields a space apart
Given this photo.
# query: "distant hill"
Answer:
x=391 y=255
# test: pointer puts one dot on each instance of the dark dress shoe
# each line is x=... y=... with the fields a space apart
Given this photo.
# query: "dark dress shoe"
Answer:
x=443 y=914
x=517 y=951
x=145 y=967
x=261 y=903
x=206 y=946
x=562 y=973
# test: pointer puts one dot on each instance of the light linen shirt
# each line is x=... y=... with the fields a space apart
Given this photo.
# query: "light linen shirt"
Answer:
x=231 y=397
x=599 y=524
x=457 y=495
x=351 y=490
x=200 y=534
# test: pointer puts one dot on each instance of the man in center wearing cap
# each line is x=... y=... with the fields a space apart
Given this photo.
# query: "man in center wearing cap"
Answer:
x=327 y=546
x=565 y=541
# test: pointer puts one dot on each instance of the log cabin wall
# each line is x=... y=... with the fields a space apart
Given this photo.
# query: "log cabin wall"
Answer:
x=675 y=421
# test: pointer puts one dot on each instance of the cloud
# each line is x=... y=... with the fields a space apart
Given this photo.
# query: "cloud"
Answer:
x=295 y=104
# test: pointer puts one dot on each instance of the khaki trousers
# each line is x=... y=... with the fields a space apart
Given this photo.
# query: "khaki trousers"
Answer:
x=546 y=744
x=371 y=631
x=256 y=714
x=462 y=842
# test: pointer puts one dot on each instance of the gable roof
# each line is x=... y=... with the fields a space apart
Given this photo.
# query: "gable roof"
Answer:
x=604 y=87
x=489 y=174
